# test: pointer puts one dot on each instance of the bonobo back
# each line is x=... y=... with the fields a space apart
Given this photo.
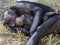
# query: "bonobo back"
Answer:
x=44 y=7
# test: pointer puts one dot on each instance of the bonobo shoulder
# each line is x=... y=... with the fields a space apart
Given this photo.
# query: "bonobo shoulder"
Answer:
x=26 y=3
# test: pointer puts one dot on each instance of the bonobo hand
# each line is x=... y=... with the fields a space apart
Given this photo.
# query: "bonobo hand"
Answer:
x=57 y=11
x=20 y=20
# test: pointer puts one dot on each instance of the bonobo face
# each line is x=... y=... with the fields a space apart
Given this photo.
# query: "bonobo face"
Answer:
x=20 y=20
x=9 y=16
x=12 y=13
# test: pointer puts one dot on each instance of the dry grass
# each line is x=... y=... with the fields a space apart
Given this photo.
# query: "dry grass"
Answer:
x=9 y=38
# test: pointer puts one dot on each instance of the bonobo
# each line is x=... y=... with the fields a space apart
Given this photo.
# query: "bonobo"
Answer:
x=34 y=16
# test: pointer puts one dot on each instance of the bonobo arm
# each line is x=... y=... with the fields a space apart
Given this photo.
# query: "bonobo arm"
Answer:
x=10 y=27
x=48 y=14
x=37 y=35
x=56 y=12
x=38 y=18
x=15 y=29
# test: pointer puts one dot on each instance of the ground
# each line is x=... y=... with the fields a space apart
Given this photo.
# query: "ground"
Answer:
x=10 y=38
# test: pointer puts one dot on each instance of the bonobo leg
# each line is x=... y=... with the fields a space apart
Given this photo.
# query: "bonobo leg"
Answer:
x=38 y=20
x=37 y=35
x=55 y=28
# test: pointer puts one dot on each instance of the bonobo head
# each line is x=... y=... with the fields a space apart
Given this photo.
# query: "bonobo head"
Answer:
x=20 y=20
x=9 y=16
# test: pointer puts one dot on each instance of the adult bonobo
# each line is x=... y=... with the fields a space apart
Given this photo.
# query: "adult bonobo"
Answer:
x=32 y=21
x=33 y=16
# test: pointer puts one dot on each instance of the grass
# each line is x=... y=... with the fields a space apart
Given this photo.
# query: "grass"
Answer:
x=9 y=38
